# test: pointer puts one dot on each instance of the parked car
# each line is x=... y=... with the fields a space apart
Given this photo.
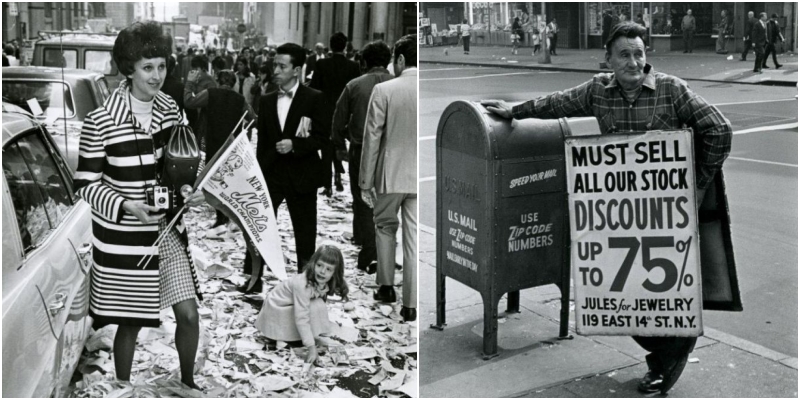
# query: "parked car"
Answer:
x=62 y=100
x=47 y=241
x=79 y=50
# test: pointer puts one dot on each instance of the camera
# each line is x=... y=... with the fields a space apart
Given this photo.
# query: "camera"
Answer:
x=161 y=197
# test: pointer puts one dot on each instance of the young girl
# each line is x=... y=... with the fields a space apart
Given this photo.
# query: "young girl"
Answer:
x=295 y=309
x=536 y=41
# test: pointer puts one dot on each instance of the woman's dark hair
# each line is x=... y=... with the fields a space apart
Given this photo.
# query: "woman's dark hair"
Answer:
x=628 y=29
x=331 y=255
x=376 y=54
x=407 y=46
x=139 y=40
x=218 y=63
x=226 y=77
x=244 y=62
x=266 y=72
x=171 y=64
x=338 y=42
x=296 y=54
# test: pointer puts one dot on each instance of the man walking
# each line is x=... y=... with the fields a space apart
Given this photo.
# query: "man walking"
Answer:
x=687 y=26
x=746 y=36
x=724 y=30
x=552 y=34
x=330 y=77
x=759 y=38
x=348 y=121
x=291 y=131
x=388 y=175
x=773 y=36
x=625 y=101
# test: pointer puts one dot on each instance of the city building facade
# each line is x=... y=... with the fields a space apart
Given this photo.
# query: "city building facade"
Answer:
x=580 y=23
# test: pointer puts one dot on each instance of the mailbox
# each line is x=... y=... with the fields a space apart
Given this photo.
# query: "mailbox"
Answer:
x=502 y=223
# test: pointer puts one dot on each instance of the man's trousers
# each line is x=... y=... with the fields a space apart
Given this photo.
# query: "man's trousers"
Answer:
x=386 y=222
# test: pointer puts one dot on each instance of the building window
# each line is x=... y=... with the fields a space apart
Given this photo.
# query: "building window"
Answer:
x=297 y=18
x=667 y=17
x=48 y=10
x=290 y=16
x=99 y=10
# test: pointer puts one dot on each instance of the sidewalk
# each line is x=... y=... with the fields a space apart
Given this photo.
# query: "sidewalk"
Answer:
x=534 y=363
x=706 y=66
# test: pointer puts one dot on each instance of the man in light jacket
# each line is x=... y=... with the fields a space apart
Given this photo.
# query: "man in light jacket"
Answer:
x=388 y=175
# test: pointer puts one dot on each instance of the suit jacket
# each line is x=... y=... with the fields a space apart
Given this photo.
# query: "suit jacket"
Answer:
x=311 y=62
x=748 y=28
x=302 y=168
x=759 y=35
x=773 y=31
x=389 y=155
x=330 y=77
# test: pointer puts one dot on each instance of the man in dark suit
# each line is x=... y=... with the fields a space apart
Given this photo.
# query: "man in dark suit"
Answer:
x=748 y=31
x=773 y=37
x=311 y=62
x=290 y=132
x=330 y=77
x=759 y=38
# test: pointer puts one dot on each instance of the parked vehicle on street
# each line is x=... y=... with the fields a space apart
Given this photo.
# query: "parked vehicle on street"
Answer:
x=47 y=241
x=60 y=99
x=79 y=50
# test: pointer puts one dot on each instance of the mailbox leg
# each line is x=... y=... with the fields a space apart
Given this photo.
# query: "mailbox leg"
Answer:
x=490 y=305
x=512 y=305
x=440 y=300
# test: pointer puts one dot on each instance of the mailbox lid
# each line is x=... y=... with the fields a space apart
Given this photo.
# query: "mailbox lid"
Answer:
x=467 y=127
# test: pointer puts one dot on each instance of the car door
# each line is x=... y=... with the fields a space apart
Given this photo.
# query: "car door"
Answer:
x=43 y=332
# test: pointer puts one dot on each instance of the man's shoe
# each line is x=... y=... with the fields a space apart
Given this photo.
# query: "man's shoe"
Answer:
x=370 y=269
x=651 y=383
x=338 y=181
x=685 y=51
x=778 y=66
x=385 y=294
x=672 y=376
x=765 y=66
x=408 y=314
x=758 y=72
x=257 y=288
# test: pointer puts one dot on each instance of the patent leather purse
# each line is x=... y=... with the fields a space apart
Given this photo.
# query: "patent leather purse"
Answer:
x=181 y=157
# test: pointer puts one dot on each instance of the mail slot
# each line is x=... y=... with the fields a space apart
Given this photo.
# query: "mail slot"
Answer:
x=502 y=222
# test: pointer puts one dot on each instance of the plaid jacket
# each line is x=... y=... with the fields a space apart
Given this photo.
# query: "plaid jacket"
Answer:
x=665 y=103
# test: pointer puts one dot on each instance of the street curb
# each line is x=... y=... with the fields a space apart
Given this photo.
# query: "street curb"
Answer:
x=597 y=71
x=711 y=333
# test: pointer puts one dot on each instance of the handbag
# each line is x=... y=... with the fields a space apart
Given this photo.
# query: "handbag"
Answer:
x=181 y=157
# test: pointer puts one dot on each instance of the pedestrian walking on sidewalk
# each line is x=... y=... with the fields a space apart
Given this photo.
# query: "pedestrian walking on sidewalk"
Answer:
x=773 y=37
x=759 y=38
x=552 y=35
x=747 y=35
x=295 y=310
x=330 y=77
x=516 y=34
x=348 y=122
x=122 y=144
x=388 y=176
x=636 y=98
x=688 y=26
x=724 y=31
x=537 y=41
x=465 y=35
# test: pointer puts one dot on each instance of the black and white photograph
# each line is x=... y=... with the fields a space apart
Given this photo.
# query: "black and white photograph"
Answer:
x=608 y=199
x=209 y=199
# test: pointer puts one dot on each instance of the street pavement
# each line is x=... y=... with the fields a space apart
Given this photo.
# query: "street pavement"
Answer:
x=747 y=354
x=704 y=66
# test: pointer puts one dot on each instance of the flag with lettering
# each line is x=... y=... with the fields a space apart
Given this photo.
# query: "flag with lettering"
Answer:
x=234 y=184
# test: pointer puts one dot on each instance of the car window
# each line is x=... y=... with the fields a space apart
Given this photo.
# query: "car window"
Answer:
x=53 y=58
x=99 y=61
x=38 y=190
x=52 y=97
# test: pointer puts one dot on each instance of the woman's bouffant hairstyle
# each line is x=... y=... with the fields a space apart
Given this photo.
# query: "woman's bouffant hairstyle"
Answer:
x=331 y=255
x=139 y=40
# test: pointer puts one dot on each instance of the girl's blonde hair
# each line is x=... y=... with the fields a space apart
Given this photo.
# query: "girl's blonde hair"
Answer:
x=332 y=255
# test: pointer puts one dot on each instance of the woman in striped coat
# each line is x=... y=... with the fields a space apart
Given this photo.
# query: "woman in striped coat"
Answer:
x=121 y=149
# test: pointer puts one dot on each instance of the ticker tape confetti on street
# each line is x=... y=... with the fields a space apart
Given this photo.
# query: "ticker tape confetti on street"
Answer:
x=371 y=351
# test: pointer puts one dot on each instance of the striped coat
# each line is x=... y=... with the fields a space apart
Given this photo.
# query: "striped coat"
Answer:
x=116 y=163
